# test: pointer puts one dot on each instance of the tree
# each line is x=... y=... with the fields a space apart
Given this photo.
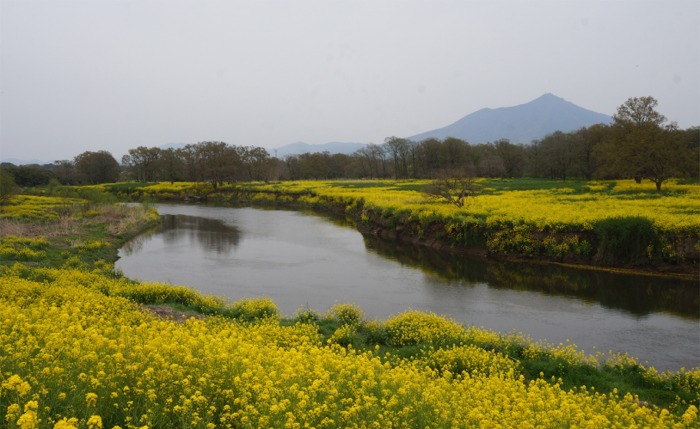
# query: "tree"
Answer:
x=557 y=155
x=172 y=165
x=589 y=139
x=143 y=163
x=642 y=147
x=31 y=175
x=96 y=167
x=255 y=163
x=428 y=154
x=373 y=161
x=638 y=112
x=454 y=155
x=512 y=156
x=490 y=163
x=65 y=171
x=7 y=185
x=454 y=186
x=217 y=162
x=399 y=149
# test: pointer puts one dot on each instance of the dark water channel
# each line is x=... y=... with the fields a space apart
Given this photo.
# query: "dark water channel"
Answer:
x=299 y=259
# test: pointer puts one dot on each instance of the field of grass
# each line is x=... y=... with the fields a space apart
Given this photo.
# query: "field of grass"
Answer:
x=54 y=231
x=79 y=350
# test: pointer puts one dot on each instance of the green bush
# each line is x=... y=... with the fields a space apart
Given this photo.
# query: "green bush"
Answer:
x=344 y=336
x=306 y=315
x=347 y=314
x=625 y=240
x=255 y=309
x=7 y=185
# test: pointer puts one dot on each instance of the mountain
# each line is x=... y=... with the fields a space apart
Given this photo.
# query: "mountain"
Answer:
x=172 y=146
x=17 y=161
x=332 y=148
x=519 y=124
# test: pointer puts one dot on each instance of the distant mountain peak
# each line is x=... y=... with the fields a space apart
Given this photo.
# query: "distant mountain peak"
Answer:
x=519 y=124
x=299 y=148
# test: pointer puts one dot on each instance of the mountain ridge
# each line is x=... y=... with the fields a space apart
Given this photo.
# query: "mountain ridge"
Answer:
x=522 y=123
x=298 y=148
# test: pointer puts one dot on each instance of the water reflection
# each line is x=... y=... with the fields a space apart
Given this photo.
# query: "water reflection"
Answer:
x=306 y=261
x=636 y=294
x=212 y=235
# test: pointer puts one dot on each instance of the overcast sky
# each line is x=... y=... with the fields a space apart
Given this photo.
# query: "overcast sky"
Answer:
x=117 y=74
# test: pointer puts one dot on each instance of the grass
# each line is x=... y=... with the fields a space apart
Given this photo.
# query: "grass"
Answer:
x=80 y=234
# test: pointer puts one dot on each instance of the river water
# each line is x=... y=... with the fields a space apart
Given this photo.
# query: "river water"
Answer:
x=304 y=260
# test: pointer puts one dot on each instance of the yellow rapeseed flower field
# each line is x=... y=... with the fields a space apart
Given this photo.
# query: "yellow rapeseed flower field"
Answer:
x=675 y=209
x=75 y=357
x=594 y=221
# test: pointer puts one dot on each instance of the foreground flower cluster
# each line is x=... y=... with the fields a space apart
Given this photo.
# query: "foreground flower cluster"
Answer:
x=75 y=352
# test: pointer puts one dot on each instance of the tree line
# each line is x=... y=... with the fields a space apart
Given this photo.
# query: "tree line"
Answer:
x=639 y=144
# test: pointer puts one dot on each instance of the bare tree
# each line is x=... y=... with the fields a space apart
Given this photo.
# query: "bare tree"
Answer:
x=454 y=186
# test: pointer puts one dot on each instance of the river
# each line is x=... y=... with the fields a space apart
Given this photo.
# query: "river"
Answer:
x=303 y=260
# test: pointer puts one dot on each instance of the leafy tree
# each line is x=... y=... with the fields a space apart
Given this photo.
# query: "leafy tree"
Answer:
x=30 y=175
x=256 y=163
x=399 y=149
x=428 y=157
x=96 y=167
x=65 y=172
x=172 y=165
x=588 y=139
x=513 y=157
x=489 y=161
x=642 y=147
x=7 y=185
x=143 y=163
x=557 y=155
x=454 y=155
x=217 y=162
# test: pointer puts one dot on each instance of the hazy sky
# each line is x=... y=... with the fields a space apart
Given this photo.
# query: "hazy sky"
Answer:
x=117 y=74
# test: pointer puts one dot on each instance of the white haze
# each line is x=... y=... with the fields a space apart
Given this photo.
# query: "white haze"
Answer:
x=113 y=75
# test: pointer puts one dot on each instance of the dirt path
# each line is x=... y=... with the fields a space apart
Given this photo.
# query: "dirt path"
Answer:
x=169 y=313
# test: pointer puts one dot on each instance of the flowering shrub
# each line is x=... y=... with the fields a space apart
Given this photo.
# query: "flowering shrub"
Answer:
x=344 y=335
x=347 y=314
x=472 y=360
x=306 y=315
x=255 y=308
x=415 y=327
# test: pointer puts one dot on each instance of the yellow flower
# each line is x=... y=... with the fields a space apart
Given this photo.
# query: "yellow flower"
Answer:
x=13 y=411
x=94 y=422
x=91 y=399
x=691 y=415
x=16 y=383
x=29 y=419
x=64 y=423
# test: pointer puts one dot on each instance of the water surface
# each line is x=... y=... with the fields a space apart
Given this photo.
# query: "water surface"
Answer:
x=304 y=260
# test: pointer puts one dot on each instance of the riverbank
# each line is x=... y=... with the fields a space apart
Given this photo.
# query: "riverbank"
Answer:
x=613 y=225
x=104 y=358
